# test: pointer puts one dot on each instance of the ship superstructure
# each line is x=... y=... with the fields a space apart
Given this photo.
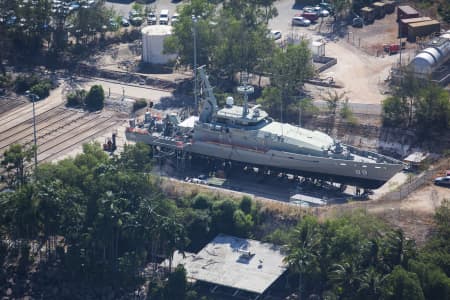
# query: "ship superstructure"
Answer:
x=248 y=136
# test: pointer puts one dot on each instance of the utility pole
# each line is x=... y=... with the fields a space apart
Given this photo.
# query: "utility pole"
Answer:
x=194 y=20
x=34 y=98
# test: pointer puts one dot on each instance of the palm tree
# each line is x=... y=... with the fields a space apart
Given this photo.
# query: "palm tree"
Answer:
x=346 y=276
x=303 y=249
x=398 y=249
x=371 y=284
x=333 y=100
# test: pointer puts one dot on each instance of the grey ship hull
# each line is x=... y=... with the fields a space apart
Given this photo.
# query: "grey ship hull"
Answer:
x=362 y=174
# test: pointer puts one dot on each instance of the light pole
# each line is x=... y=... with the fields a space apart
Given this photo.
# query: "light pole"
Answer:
x=34 y=98
x=194 y=20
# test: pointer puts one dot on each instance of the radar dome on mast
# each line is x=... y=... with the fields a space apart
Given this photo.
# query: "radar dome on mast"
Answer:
x=230 y=101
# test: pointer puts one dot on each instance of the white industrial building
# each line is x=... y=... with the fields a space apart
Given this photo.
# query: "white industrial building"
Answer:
x=153 y=44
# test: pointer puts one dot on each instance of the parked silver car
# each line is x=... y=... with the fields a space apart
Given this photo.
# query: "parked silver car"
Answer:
x=300 y=21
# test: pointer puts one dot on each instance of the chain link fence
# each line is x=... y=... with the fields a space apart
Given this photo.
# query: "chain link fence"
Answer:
x=357 y=108
x=414 y=183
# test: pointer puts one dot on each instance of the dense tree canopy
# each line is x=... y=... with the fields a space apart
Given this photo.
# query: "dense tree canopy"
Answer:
x=420 y=105
x=102 y=219
x=358 y=257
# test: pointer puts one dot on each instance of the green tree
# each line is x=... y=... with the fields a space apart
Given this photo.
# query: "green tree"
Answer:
x=401 y=284
x=89 y=21
x=395 y=112
x=432 y=111
x=95 y=98
x=347 y=113
x=246 y=204
x=240 y=46
x=303 y=249
x=271 y=99
x=41 y=89
x=435 y=284
x=76 y=99
x=14 y=161
x=243 y=223
x=177 y=284
x=181 y=41
x=136 y=158
x=398 y=249
x=371 y=284
x=333 y=100
x=288 y=71
x=222 y=217
x=437 y=248
x=346 y=277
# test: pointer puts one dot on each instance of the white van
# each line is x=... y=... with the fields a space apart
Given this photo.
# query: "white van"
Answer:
x=164 y=17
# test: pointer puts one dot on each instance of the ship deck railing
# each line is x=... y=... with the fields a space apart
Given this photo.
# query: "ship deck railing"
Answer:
x=373 y=155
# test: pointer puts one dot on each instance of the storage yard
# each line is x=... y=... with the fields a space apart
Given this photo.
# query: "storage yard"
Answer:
x=58 y=129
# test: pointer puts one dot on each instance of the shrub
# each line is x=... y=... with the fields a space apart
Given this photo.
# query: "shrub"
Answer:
x=24 y=83
x=246 y=204
x=140 y=103
x=76 y=99
x=42 y=89
x=202 y=201
x=347 y=114
x=5 y=81
x=95 y=99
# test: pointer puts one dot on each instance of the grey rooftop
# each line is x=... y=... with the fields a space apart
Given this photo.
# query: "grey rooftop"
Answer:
x=243 y=264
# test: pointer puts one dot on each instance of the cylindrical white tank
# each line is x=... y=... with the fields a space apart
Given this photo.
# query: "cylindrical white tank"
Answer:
x=429 y=59
x=153 y=44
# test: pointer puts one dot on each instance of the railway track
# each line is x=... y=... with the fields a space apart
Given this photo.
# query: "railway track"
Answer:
x=8 y=103
x=68 y=138
x=45 y=130
x=16 y=117
x=59 y=147
x=79 y=124
x=26 y=128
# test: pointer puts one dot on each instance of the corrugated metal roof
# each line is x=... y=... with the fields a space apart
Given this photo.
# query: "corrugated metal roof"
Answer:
x=424 y=23
x=379 y=4
x=415 y=20
x=367 y=9
x=407 y=9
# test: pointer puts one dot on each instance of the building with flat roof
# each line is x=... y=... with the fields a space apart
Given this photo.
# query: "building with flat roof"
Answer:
x=244 y=265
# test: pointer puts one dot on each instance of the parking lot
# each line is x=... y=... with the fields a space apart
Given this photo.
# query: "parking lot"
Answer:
x=362 y=68
x=123 y=9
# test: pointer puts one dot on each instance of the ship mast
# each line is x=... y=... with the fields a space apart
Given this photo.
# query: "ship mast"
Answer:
x=210 y=105
x=245 y=89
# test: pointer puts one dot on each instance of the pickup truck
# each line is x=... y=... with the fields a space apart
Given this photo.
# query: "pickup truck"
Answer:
x=393 y=48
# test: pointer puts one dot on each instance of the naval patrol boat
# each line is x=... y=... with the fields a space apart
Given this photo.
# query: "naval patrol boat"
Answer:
x=248 y=136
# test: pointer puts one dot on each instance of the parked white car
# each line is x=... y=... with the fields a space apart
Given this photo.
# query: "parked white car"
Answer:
x=151 y=18
x=275 y=34
x=175 y=18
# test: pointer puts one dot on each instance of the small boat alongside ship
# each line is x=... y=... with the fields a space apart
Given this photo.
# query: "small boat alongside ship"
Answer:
x=248 y=136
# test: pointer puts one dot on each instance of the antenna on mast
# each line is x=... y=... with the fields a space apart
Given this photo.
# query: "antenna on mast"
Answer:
x=245 y=89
